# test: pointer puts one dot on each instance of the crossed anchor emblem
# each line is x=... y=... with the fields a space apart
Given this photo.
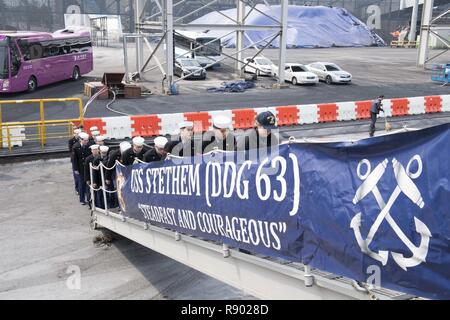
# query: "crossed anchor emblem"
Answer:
x=405 y=185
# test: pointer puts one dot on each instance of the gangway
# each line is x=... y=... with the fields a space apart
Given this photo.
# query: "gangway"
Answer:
x=261 y=276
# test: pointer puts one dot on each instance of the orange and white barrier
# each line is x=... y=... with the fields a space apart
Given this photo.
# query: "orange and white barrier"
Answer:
x=163 y=124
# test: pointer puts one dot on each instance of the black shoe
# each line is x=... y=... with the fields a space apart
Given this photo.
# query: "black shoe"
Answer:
x=83 y=203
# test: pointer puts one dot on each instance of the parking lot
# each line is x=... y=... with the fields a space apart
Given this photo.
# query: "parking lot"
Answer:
x=375 y=71
x=370 y=66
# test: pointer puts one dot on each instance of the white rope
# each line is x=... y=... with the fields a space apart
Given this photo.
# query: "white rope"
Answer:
x=108 y=106
x=93 y=98
x=101 y=188
x=106 y=168
x=95 y=168
x=94 y=189
x=171 y=156
x=217 y=150
x=108 y=191
x=118 y=163
x=139 y=161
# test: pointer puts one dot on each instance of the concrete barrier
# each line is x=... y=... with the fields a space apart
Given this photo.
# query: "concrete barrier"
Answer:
x=162 y=124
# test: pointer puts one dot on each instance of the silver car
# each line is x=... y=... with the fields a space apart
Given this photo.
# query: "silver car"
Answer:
x=330 y=72
x=192 y=67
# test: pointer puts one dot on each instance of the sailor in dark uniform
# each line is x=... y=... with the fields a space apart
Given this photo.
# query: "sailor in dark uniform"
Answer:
x=90 y=180
x=74 y=139
x=136 y=152
x=114 y=156
x=262 y=139
x=71 y=143
x=93 y=139
x=222 y=136
x=100 y=140
x=80 y=152
x=186 y=146
x=94 y=133
x=262 y=135
x=158 y=153
x=101 y=160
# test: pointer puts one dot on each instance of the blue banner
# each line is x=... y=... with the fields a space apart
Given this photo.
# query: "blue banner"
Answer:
x=376 y=210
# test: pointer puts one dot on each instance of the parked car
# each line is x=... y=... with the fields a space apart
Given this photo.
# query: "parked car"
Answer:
x=186 y=66
x=299 y=74
x=330 y=72
x=260 y=66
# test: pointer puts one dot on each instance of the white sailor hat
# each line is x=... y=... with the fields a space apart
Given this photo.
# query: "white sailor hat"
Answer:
x=95 y=133
x=161 y=142
x=77 y=131
x=222 y=122
x=124 y=146
x=104 y=149
x=83 y=136
x=93 y=129
x=100 y=138
x=186 y=124
x=138 y=141
x=95 y=147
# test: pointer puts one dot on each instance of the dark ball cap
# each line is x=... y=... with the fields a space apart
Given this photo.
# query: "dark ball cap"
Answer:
x=267 y=120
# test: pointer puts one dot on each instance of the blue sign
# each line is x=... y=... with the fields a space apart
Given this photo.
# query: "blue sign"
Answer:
x=375 y=210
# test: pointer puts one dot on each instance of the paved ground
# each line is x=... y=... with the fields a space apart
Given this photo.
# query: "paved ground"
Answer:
x=376 y=71
x=44 y=231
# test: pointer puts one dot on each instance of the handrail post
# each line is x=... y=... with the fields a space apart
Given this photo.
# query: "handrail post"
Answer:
x=309 y=278
x=91 y=188
x=103 y=187
x=42 y=113
x=70 y=128
x=225 y=250
x=39 y=132
x=80 y=106
x=8 y=135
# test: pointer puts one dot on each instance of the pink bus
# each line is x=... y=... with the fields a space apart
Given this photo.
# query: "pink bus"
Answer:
x=32 y=59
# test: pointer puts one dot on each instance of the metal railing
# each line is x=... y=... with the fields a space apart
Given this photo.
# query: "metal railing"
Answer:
x=40 y=130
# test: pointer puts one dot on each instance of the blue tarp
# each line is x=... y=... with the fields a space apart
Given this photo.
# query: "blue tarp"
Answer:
x=239 y=86
x=308 y=27
x=358 y=209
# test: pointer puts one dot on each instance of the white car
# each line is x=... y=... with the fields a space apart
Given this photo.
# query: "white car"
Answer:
x=330 y=72
x=260 y=66
x=299 y=74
